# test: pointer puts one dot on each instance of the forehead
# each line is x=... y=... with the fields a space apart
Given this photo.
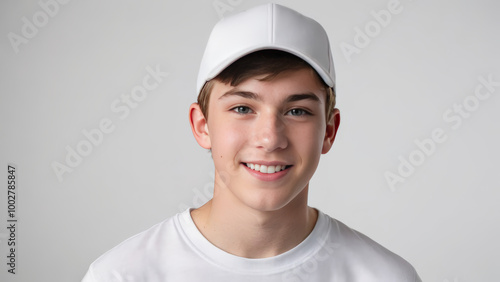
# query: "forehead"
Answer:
x=285 y=83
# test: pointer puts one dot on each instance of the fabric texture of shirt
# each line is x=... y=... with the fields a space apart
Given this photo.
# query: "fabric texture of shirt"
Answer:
x=175 y=250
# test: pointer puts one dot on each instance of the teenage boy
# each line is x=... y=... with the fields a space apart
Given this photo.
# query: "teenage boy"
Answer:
x=266 y=111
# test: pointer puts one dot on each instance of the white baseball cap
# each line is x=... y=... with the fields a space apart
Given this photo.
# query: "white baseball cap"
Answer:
x=269 y=26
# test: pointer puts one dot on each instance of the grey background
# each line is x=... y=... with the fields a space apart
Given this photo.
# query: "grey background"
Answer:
x=443 y=218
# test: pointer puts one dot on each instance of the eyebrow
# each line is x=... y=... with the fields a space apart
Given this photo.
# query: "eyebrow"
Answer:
x=304 y=96
x=244 y=94
x=253 y=96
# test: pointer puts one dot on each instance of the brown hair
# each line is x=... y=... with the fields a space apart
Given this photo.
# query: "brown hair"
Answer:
x=266 y=62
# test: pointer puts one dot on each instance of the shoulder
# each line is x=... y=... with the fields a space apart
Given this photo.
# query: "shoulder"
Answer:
x=366 y=258
x=137 y=253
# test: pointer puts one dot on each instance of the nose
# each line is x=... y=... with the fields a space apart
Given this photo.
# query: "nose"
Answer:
x=269 y=132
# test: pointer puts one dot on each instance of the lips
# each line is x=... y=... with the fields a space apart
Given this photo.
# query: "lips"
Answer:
x=267 y=168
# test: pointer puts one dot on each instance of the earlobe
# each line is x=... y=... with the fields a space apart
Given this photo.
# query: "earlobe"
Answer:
x=332 y=127
x=199 y=126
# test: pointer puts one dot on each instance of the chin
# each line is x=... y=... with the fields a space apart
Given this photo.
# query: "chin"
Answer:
x=268 y=201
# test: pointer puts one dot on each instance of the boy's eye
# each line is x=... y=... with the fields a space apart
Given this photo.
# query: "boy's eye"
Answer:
x=298 y=112
x=242 y=110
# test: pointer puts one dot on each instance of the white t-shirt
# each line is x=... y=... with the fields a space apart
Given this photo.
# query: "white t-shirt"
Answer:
x=175 y=250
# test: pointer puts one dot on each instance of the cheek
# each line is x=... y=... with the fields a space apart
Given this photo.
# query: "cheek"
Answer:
x=227 y=141
x=310 y=140
x=226 y=138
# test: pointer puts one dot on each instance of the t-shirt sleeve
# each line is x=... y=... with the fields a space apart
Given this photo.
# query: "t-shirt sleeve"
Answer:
x=89 y=277
x=417 y=278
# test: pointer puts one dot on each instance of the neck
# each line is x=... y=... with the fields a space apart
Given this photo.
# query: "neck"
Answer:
x=246 y=232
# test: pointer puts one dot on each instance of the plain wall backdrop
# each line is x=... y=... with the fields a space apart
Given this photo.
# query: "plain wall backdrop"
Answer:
x=414 y=166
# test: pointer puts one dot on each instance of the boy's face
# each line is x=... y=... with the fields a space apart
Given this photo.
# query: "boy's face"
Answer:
x=279 y=124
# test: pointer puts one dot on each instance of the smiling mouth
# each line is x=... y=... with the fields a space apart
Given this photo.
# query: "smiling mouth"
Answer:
x=267 y=168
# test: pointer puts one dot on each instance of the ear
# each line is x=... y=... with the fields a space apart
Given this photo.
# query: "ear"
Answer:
x=199 y=126
x=331 y=131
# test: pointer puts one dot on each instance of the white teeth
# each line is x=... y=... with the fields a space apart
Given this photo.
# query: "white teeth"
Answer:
x=266 y=168
x=263 y=169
